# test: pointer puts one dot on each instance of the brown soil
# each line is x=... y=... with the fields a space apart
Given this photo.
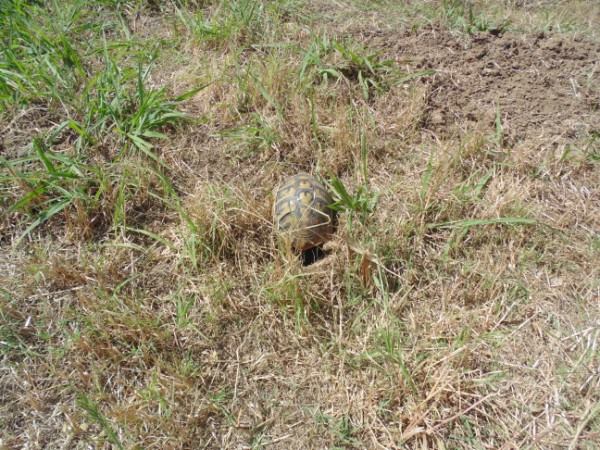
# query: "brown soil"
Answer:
x=546 y=88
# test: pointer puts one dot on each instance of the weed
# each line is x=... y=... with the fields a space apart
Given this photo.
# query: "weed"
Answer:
x=468 y=223
x=135 y=115
x=202 y=28
x=288 y=294
x=188 y=366
x=389 y=346
x=341 y=430
x=312 y=58
x=152 y=394
x=219 y=400
x=460 y=14
x=592 y=149
x=363 y=202
x=13 y=343
x=60 y=184
x=257 y=135
x=38 y=61
x=94 y=413
x=183 y=306
x=327 y=60
x=233 y=21
x=472 y=189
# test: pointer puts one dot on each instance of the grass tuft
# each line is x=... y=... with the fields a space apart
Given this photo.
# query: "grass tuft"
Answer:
x=96 y=416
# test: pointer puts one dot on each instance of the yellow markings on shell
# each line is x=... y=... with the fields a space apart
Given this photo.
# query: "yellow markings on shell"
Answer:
x=305 y=198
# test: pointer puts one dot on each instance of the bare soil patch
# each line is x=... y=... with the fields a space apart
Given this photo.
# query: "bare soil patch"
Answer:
x=545 y=87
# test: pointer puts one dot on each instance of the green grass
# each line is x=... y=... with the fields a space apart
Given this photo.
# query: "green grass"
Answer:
x=96 y=415
x=39 y=61
x=54 y=183
x=341 y=429
x=132 y=112
x=256 y=136
x=328 y=60
x=114 y=109
x=461 y=14
x=363 y=201
x=389 y=348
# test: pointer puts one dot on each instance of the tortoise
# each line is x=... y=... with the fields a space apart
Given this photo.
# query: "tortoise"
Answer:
x=302 y=212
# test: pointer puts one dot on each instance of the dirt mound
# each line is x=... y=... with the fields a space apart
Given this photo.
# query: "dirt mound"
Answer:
x=546 y=88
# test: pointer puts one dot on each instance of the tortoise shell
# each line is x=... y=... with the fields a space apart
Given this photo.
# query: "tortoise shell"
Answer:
x=302 y=211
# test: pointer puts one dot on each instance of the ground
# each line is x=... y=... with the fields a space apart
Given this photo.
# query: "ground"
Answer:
x=146 y=301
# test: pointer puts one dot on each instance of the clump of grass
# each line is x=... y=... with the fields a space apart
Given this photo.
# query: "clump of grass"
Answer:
x=115 y=112
x=222 y=215
x=341 y=429
x=135 y=115
x=461 y=14
x=257 y=135
x=327 y=59
x=289 y=294
x=229 y=23
x=388 y=346
x=363 y=201
x=94 y=413
x=39 y=61
x=52 y=183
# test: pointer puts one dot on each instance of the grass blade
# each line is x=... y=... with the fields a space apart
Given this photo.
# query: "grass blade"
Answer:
x=479 y=222
x=44 y=216
x=189 y=94
x=38 y=146
x=96 y=415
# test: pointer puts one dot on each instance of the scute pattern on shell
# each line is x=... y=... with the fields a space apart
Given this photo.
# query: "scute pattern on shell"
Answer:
x=302 y=213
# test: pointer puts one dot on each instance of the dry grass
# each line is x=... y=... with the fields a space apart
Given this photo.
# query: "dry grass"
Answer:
x=156 y=309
